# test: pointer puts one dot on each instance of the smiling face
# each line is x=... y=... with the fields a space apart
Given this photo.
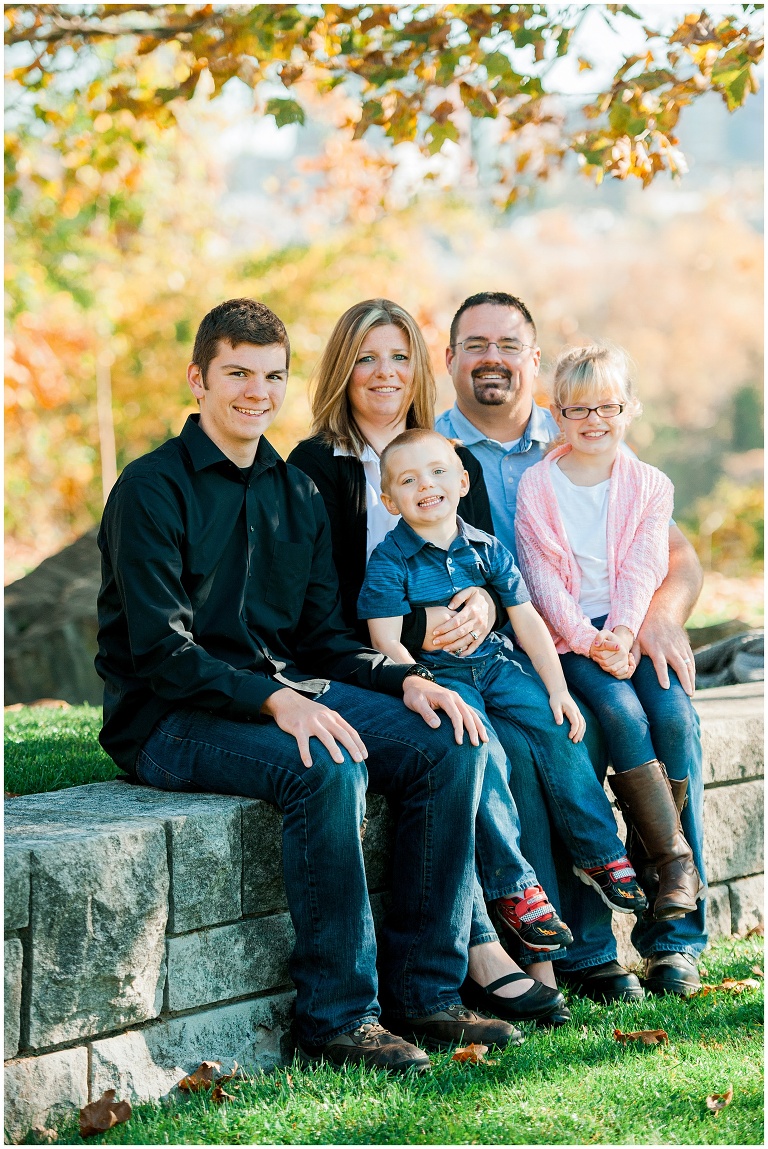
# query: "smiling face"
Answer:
x=492 y=379
x=244 y=389
x=380 y=387
x=594 y=437
x=424 y=482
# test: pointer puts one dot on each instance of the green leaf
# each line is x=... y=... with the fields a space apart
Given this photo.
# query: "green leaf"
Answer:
x=285 y=112
x=438 y=134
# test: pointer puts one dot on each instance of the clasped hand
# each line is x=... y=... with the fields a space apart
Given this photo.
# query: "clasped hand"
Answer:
x=612 y=650
x=303 y=718
x=462 y=626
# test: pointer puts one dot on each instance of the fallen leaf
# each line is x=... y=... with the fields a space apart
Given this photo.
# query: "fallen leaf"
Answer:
x=757 y=971
x=718 y=1101
x=729 y=985
x=645 y=1036
x=756 y=932
x=471 y=1053
x=289 y=1081
x=219 y=1095
x=202 y=1078
x=103 y=1114
x=10 y=794
x=53 y=703
x=14 y=706
x=227 y=1076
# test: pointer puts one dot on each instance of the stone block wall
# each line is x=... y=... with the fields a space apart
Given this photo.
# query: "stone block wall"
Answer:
x=146 y=932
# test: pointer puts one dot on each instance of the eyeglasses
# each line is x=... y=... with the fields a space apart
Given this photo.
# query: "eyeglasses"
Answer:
x=605 y=411
x=511 y=347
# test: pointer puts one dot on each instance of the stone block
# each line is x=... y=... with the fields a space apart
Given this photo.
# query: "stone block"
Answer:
x=747 y=902
x=39 y=1090
x=97 y=930
x=731 y=732
x=228 y=962
x=203 y=832
x=14 y=959
x=733 y=831
x=718 y=912
x=623 y=925
x=146 y=1064
x=16 y=883
x=263 y=888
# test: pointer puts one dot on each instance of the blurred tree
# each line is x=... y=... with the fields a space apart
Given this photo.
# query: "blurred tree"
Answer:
x=419 y=73
x=747 y=419
x=727 y=528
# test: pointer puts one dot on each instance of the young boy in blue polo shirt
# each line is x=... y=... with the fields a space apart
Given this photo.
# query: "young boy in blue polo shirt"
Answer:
x=429 y=556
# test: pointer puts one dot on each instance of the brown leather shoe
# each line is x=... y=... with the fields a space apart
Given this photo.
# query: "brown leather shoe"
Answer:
x=457 y=1025
x=372 y=1045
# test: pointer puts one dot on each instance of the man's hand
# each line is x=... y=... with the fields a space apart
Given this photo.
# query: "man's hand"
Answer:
x=424 y=698
x=463 y=625
x=666 y=643
x=304 y=719
x=563 y=706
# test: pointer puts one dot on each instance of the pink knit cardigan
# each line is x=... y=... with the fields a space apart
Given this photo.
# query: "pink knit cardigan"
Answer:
x=640 y=501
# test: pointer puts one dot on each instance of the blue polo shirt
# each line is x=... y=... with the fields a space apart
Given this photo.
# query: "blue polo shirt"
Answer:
x=406 y=571
x=502 y=468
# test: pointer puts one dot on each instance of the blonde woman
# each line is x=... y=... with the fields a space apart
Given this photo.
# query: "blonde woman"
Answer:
x=374 y=381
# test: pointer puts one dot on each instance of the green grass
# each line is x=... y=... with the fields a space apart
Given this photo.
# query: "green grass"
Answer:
x=48 y=749
x=575 y=1085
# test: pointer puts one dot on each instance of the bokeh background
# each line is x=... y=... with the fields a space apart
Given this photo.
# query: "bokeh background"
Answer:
x=101 y=319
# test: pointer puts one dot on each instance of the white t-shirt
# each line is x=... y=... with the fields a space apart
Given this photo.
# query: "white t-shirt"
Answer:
x=584 y=512
x=380 y=522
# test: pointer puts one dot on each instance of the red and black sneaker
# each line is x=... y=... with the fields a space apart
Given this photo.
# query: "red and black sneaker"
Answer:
x=616 y=883
x=533 y=920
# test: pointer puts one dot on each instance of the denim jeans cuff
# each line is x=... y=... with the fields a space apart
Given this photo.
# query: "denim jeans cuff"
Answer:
x=316 y=1046
x=512 y=891
x=483 y=939
x=600 y=861
x=692 y=951
x=593 y=962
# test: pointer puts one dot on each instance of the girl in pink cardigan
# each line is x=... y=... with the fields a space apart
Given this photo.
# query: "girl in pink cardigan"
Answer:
x=592 y=531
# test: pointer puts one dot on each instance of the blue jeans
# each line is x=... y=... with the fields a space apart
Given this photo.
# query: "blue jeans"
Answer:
x=642 y=721
x=496 y=684
x=588 y=918
x=436 y=784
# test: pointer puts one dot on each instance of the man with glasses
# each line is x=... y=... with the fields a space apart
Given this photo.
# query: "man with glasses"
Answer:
x=494 y=361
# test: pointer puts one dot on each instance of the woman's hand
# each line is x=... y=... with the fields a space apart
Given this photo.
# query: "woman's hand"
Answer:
x=463 y=625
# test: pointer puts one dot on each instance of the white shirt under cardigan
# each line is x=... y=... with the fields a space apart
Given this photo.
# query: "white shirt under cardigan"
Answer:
x=584 y=511
x=378 y=519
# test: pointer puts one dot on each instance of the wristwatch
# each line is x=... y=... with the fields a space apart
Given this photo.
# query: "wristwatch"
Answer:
x=419 y=671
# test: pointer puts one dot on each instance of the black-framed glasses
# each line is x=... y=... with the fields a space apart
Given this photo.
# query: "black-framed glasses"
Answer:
x=605 y=411
x=477 y=346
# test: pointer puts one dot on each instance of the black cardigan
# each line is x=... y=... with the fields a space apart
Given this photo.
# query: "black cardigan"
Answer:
x=340 y=479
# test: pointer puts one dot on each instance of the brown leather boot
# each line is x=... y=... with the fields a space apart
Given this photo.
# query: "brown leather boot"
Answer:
x=647 y=874
x=647 y=802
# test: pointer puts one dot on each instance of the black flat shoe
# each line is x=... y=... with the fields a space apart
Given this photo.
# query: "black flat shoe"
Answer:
x=605 y=983
x=672 y=973
x=560 y=1015
x=536 y=1003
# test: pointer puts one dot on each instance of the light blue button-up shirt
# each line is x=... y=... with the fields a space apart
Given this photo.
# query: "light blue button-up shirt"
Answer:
x=502 y=468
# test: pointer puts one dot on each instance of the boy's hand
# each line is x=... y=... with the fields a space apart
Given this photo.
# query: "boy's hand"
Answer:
x=563 y=706
x=424 y=698
x=304 y=719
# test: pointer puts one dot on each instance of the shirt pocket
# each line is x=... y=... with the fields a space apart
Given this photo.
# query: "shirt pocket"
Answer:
x=289 y=573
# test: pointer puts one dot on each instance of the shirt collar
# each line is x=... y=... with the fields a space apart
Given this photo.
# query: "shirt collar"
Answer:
x=367 y=455
x=409 y=543
x=204 y=453
x=537 y=428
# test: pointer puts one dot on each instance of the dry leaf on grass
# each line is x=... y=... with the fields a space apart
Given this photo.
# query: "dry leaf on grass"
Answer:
x=729 y=985
x=103 y=1114
x=204 y=1077
x=219 y=1095
x=470 y=1053
x=40 y=1135
x=644 y=1036
x=755 y=932
x=757 y=971
x=10 y=794
x=718 y=1101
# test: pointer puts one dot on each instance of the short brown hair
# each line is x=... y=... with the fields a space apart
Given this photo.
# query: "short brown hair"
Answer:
x=405 y=439
x=331 y=413
x=496 y=299
x=234 y=322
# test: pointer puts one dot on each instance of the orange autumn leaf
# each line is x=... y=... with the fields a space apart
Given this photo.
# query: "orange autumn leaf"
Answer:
x=470 y=1053
x=729 y=985
x=718 y=1101
x=202 y=1078
x=103 y=1114
x=756 y=932
x=757 y=971
x=219 y=1095
x=645 y=1036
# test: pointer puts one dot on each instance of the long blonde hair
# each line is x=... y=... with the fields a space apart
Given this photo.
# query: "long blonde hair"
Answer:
x=585 y=371
x=331 y=413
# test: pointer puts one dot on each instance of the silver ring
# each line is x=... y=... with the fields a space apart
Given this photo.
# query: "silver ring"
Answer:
x=474 y=634
x=687 y=660
x=460 y=650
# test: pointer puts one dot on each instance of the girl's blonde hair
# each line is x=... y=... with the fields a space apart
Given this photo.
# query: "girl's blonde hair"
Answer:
x=331 y=412
x=581 y=372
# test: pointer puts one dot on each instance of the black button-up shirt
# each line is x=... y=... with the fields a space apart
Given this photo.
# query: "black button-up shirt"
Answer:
x=218 y=588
